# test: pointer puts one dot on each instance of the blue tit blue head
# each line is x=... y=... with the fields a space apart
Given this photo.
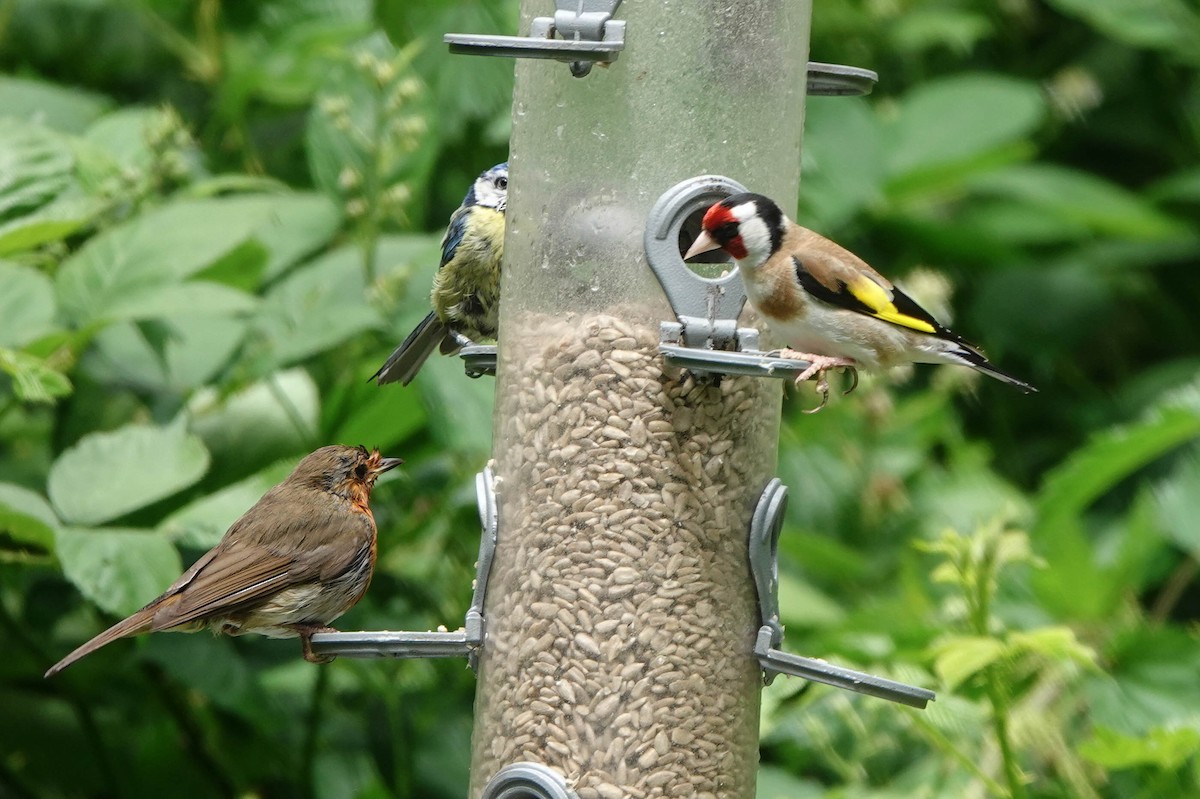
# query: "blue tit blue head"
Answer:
x=490 y=189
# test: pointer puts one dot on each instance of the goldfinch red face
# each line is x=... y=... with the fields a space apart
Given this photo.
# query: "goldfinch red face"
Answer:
x=747 y=226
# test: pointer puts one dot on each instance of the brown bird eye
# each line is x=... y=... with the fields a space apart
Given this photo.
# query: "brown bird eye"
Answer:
x=360 y=471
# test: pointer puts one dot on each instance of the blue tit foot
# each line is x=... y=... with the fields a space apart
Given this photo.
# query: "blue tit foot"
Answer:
x=460 y=340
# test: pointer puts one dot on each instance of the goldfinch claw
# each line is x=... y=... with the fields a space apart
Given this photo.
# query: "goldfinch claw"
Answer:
x=818 y=365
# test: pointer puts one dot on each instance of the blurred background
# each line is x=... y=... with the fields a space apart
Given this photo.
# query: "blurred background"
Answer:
x=218 y=218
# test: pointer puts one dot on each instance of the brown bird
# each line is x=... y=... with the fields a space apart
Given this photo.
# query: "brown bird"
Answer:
x=298 y=559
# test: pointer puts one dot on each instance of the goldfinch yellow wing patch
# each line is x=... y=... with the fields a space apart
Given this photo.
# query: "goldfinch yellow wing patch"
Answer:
x=880 y=304
x=864 y=295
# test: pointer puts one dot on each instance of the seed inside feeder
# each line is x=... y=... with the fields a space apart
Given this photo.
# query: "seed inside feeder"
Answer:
x=626 y=490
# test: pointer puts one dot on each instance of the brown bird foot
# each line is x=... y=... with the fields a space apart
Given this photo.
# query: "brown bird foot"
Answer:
x=306 y=632
x=818 y=365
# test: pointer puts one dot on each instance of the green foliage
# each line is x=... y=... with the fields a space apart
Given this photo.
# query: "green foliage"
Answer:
x=216 y=219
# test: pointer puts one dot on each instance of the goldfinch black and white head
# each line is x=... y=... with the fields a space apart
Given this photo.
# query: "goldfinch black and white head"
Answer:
x=749 y=227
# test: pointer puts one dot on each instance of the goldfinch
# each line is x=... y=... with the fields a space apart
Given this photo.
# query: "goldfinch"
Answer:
x=466 y=288
x=827 y=304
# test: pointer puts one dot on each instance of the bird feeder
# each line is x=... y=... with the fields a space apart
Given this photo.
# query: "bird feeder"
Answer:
x=625 y=615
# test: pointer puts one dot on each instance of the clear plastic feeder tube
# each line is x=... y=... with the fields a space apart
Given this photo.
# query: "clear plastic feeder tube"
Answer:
x=621 y=613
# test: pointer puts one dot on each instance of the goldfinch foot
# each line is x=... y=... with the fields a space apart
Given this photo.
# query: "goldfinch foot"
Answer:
x=818 y=365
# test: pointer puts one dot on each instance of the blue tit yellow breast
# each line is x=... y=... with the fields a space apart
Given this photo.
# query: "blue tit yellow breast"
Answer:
x=466 y=289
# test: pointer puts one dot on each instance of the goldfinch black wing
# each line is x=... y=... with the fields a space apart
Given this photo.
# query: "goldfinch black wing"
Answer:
x=857 y=287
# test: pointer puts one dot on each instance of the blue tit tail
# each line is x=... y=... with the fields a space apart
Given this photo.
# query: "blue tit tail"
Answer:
x=403 y=364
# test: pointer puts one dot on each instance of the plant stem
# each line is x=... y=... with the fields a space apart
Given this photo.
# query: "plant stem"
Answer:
x=947 y=746
x=998 y=696
x=994 y=676
x=196 y=745
x=83 y=713
x=1179 y=580
x=291 y=411
x=312 y=731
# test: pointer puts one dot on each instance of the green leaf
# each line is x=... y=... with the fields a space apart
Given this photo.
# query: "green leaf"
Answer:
x=381 y=417
x=1177 y=499
x=370 y=123
x=921 y=29
x=317 y=307
x=455 y=404
x=1150 y=681
x=1074 y=584
x=202 y=523
x=175 y=356
x=33 y=379
x=843 y=163
x=35 y=166
x=960 y=118
x=65 y=215
x=463 y=92
x=26 y=304
x=57 y=107
x=107 y=475
x=803 y=606
x=776 y=783
x=194 y=298
x=26 y=516
x=1108 y=458
x=957 y=658
x=1078 y=199
x=134 y=261
x=278 y=415
x=1163 y=748
x=126 y=137
x=120 y=570
x=300 y=223
x=1053 y=643
x=291 y=53
x=1159 y=24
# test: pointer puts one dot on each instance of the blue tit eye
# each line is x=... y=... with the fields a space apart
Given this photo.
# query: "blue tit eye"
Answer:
x=501 y=183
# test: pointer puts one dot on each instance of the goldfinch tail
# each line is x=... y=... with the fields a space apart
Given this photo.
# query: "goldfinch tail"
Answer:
x=403 y=364
x=971 y=357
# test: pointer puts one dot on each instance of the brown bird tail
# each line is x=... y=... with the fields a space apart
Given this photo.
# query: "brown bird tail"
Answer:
x=139 y=622
x=403 y=364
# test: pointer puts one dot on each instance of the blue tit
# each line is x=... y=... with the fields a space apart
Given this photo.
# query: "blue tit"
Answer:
x=466 y=288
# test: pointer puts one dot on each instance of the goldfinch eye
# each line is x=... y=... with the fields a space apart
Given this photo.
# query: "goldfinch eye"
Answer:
x=501 y=183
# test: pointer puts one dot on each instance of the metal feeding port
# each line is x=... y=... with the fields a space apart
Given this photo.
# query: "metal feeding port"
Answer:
x=478 y=359
x=765 y=527
x=460 y=643
x=527 y=781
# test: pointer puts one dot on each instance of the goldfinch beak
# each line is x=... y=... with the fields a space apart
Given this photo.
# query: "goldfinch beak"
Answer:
x=703 y=243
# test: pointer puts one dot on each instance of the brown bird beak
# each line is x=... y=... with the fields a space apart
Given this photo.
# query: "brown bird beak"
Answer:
x=382 y=464
x=703 y=243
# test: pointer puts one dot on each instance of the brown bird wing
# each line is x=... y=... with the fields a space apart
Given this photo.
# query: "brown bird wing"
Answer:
x=290 y=537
